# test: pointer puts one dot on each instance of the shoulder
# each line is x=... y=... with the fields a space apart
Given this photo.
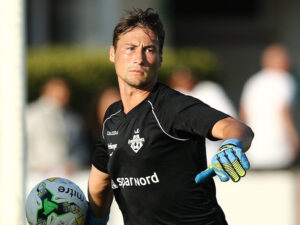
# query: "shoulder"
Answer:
x=168 y=102
x=280 y=79
x=257 y=77
x=255 y=82
x=37 y=109
x=36 y=105
x=288 y=79
x=172 y=99
x=113 y=109
x=207 y=85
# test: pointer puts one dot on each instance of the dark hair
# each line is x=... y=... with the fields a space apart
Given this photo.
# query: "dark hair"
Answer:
x=139 y=18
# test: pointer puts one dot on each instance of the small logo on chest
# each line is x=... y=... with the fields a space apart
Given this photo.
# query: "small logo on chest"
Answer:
x=136 y=143
x=112 y=133
x=112 y=147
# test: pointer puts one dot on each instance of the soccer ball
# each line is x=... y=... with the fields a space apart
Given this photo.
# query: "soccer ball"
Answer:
x=56 y=201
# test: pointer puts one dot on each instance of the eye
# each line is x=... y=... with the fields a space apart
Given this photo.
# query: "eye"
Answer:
x=150 y=50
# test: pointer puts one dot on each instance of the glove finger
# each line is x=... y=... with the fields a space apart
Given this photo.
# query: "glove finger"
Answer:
x=218 y=168
x=242 y=157
x=235 y=163
x=209 y=172
x=227 y=166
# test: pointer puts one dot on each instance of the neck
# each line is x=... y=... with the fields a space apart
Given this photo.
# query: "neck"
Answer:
x=132 y=96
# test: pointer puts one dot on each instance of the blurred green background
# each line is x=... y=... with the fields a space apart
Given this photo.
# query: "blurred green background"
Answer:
x=88 y=70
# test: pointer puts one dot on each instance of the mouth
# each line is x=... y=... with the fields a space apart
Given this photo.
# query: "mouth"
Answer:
x=138 y=71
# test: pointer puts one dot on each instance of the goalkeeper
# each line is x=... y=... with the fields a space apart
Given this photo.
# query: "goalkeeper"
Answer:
x=151 y=152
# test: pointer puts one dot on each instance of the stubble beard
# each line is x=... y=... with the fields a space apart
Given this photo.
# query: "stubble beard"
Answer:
x=143 y=83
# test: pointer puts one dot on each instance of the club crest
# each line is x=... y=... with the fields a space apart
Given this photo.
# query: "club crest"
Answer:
x=136 y=143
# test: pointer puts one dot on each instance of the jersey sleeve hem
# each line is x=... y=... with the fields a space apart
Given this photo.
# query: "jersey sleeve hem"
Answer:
x=99 y=167
x=209 y=133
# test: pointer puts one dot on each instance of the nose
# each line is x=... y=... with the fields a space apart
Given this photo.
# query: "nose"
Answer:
x=139 y=56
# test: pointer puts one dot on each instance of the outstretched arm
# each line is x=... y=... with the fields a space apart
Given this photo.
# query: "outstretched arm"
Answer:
x=231 y=128
x=230 y=161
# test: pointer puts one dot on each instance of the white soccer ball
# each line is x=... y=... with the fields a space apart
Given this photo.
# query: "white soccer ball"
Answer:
x=56 y=201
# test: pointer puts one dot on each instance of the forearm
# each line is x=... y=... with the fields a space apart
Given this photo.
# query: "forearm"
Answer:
x=232 y=128
x=100 y=203
x=240 y=132
x=99 y=193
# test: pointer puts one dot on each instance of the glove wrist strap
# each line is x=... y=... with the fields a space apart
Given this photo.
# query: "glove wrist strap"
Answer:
x=233 y=141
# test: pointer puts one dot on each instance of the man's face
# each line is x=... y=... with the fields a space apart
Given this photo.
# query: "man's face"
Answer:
x=137 y=57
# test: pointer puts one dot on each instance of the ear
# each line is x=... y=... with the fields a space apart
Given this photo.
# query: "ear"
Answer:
x=112 y=53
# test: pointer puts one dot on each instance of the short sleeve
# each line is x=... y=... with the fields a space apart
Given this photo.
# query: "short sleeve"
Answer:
x=101 y=157
x=196 y=118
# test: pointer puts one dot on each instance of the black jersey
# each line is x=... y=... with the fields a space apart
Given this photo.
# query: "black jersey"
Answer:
x=153 y=154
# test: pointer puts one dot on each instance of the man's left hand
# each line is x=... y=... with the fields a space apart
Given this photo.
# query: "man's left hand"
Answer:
x=229 y=162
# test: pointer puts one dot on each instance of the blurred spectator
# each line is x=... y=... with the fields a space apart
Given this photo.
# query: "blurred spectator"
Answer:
x=266 y=104
x=109 y=96
x=183 y=80
x=56 y=144
x=96 y=114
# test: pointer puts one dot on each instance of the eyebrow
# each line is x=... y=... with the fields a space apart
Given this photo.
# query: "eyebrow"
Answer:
x=146 y=46
x=131 y=44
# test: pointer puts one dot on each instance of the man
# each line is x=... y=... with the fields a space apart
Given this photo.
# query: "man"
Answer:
x=152 y=143
x=56 y=144
x=266 y=105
